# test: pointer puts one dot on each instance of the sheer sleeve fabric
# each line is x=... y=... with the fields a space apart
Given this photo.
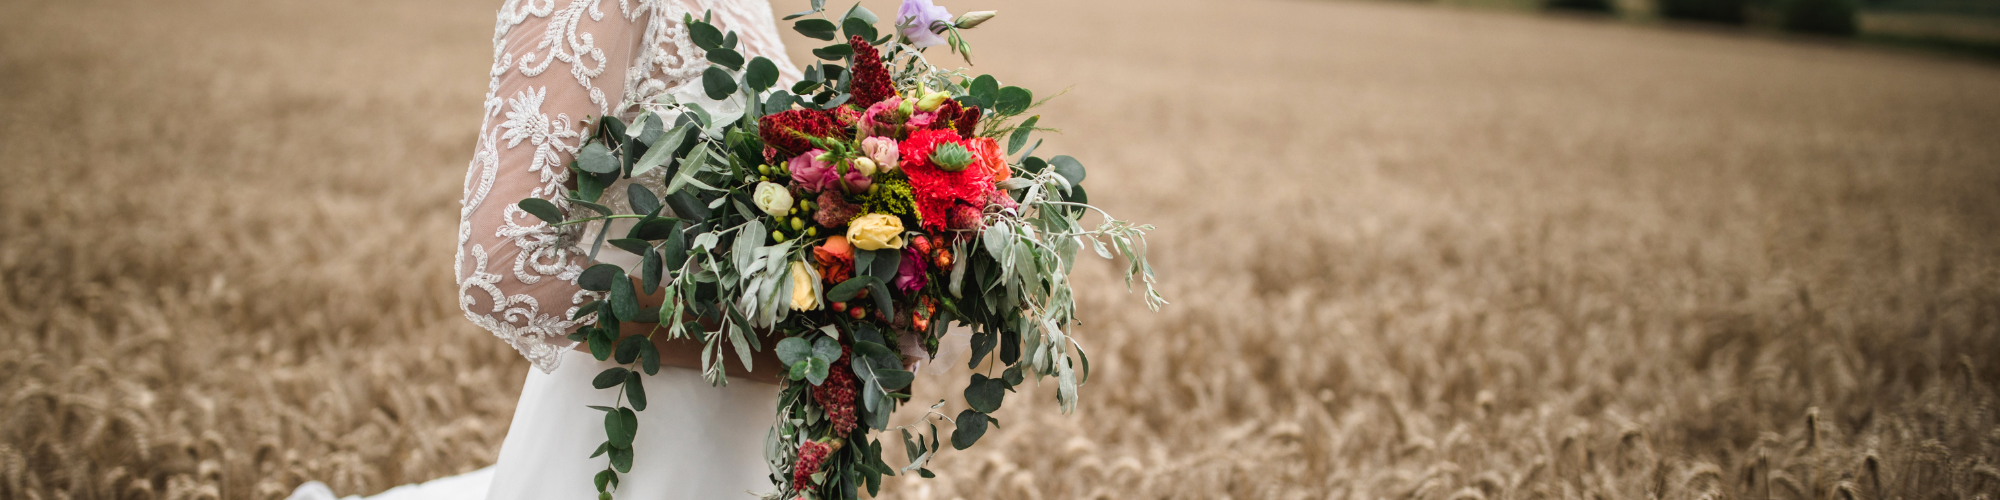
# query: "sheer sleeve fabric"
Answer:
x=557 y=64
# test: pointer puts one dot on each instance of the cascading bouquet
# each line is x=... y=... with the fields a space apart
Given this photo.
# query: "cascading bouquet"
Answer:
x=853 y=217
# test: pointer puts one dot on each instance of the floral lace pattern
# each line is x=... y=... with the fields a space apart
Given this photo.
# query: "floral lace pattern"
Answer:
x=517 y=274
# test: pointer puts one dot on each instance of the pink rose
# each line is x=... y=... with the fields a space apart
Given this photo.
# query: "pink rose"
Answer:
x=811 y=174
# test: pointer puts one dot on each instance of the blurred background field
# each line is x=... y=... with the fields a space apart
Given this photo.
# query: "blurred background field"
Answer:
x=1415 y=252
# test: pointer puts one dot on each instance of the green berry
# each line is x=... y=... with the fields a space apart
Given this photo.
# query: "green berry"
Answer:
x=798 y=225
x=778 y=235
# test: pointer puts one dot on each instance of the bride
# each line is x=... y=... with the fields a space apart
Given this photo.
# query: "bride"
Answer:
x=557 y=63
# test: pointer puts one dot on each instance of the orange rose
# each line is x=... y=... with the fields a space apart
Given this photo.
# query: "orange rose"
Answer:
x=986 y=154
x=835 y=258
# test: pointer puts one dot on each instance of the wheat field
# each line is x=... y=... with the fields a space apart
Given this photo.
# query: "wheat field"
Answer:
x=1414 y=252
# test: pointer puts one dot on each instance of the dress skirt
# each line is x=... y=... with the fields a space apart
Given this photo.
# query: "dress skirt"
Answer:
x=694 y=440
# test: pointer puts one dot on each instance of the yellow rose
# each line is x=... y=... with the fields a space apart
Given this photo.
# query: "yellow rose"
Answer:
x=875 y=232
x=803 y=298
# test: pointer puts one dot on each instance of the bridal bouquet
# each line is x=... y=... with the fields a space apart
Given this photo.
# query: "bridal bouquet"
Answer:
x=851 y=217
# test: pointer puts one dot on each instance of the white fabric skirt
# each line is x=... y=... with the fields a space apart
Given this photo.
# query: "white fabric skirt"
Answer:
x=694 y=441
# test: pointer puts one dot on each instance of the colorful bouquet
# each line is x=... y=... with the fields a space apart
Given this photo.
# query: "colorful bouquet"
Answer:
x=852 y=217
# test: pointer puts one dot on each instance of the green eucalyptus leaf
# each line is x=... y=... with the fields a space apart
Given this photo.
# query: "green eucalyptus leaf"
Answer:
x=705 y=35
x=1012 y=376
x=1013 y=100
x=628 y=349
x=600 y=344
x=982 y=344
x=1019 y=138
x=650 y=272
x=779 y=101
x=635 y=390
x=726 y=58
x=599 y=278
x=816 y=28
x=985 y=394
x=643 y=201
x=858 y=27
x=971 y=425
x=893 y=379
x=1034 y=164
x=649 y=358
x=846 y=290
x=654 y=229
x=762 y=74
x=816 y=370
x=609 y=378
x=986 y=89
x=792 y=350
x=860 y=13
x=633 y=245
x=1069 y=168
x=586 y=310
x=873 y=352
x=596 y=158
x=717 y=83
x=833 y=52
x=826 y=349
x=542 y=209
x=624 y=302
x=1010 y=346
x=887 y=262
x=621 y=459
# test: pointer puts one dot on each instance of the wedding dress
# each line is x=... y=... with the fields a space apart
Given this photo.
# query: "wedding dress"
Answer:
x=556 y=64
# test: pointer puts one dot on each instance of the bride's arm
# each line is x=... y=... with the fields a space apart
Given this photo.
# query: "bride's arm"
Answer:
x=556 y=65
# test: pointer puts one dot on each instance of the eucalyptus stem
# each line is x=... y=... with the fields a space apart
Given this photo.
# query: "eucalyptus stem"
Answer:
x=605 y=217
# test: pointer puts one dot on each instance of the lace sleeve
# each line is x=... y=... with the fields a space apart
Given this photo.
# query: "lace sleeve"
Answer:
x=557 y=63
x=516 y=274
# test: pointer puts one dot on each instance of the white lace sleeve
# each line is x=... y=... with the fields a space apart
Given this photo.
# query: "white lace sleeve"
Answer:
x=557 y=63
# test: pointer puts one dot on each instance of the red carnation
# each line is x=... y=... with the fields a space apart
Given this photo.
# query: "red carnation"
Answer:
x=836 y=394
x=937 y=191
x=812 y=454
x=786 y=132
x=871 y=79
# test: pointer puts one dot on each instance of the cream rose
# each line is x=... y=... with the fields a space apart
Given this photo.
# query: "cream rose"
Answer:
x=803 y=297
x=773 y=199
x=875 y=232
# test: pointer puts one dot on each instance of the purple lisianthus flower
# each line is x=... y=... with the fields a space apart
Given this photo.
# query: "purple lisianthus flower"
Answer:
x=916 y=18
x=910 y=275
x=811 y=174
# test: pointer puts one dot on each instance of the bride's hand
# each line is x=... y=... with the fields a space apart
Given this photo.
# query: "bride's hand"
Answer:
x=686 y=353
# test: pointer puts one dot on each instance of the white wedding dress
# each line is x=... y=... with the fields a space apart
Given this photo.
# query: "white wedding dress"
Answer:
x=557 y=63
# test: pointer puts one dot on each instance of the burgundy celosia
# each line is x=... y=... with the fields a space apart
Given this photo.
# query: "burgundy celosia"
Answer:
x=871 y=79
x=937 y=192
x=786 y=132
x=959 y=116
x=836 y=394
x=834 y=210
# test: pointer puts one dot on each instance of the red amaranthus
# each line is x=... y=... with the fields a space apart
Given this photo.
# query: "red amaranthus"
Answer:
x=836 y=394
x=812 y=454
x=939 y=192
x=871 y=78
